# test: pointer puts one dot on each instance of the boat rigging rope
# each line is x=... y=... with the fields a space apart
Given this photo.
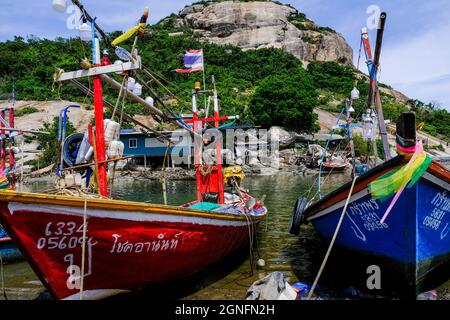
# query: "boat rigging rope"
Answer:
x=325 y=153
x=119 y=98
x=250 y=237
x=174 y=116
x=3 y=278
x=330 y=247
x=58 y=72
x=163 y=177
x=83 y=248
x=359 y=55
x=151 y=74
x=89 y=89
x=307 y=193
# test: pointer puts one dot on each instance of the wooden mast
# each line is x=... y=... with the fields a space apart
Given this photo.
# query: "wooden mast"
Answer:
x=3 y=139
x=12 y=158
x=197 y=126
x=218 y=146
x=369 y=59
x=214 y=179
x=374 y=90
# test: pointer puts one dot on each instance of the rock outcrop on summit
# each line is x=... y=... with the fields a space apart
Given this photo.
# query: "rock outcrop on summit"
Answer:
x=262 y=24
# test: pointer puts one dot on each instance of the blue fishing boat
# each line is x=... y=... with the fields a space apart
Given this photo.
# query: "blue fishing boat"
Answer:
x=395 y=216
x=8 y=251
x=414 y=241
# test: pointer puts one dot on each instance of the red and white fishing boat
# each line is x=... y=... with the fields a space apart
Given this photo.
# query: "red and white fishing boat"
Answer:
x=128 y=245
x=83 y=247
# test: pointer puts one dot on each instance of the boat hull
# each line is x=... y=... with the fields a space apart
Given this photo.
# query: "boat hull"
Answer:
x=128 y=246
x=336 y=167
x=8 y=251
x=413 y=242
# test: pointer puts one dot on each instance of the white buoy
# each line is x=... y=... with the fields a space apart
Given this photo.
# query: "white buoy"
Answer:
x=355 y=94
x=59 y=5
x=85 y=32
x=137 y=89
x=112 y=130
x=150 y=101
x=118 y=62
x=261 y=263
x=130 y=84
x=115 y=149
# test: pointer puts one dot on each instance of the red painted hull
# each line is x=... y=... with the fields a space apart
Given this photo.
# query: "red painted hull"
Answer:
x=126 y=250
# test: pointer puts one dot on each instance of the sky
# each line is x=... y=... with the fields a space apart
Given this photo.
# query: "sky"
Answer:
x=416 y=51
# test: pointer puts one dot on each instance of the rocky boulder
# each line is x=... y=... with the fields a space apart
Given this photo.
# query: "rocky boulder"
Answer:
x=262 y=24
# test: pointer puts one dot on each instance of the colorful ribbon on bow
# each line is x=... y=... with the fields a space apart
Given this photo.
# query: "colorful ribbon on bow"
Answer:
x=396 y=181
x=4 y=182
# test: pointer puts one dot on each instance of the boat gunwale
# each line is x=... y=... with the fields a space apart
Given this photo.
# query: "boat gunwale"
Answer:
x=119 y=205
x=436 y=169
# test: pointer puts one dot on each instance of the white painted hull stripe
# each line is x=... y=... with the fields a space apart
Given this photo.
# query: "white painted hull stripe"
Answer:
x=339 y=204
x=366 y=191
x=122 y=215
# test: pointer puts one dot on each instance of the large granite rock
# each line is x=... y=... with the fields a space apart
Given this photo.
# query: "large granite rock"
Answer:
x=260 y=24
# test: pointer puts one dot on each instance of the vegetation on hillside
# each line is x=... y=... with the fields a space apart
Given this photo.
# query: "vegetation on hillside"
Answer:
x=48 y=142
x=334 y=83
x=286 y=99
x=24 y=111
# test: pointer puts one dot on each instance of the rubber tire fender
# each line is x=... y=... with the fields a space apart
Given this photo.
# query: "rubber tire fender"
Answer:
x=298 y=218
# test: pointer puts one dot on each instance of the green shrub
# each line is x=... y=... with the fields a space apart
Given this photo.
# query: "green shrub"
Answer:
x=286 y=99
x=48 y=143
x=24 y=111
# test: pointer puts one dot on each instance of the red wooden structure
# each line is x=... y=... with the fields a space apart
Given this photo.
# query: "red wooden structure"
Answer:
x=209 y=177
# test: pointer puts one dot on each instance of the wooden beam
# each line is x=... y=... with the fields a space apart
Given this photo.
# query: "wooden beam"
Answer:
x=96 y=71
x=26 y=131
x=85 y=165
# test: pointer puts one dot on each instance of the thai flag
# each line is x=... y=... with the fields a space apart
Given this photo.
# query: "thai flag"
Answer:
x=193 y=61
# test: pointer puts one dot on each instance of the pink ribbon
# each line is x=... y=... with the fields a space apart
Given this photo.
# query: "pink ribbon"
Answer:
x=418 y=148
x=407 y=150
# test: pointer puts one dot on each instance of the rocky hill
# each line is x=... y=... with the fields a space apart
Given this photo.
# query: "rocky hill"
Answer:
x=262 y=24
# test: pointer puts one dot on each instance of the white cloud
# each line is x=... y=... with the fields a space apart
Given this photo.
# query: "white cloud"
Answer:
x=420 y=65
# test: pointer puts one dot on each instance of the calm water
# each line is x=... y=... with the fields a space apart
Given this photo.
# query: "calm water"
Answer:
x=298 y=257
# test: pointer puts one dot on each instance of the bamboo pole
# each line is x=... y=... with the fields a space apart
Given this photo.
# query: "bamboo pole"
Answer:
x=81 y=166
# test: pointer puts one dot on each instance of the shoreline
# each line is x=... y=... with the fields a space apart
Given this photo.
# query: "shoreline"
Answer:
x=178 y=173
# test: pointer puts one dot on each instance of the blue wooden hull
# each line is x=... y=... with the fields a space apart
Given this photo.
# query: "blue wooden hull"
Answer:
x=413 y=242
x=8 y=251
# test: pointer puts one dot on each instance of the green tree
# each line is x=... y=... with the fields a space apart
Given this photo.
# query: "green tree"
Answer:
x=332 y=76
x=49 y=143
x=287 y=100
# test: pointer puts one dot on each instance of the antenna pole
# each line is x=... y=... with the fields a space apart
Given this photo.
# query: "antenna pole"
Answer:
x=374 y=94
x=376 y=91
